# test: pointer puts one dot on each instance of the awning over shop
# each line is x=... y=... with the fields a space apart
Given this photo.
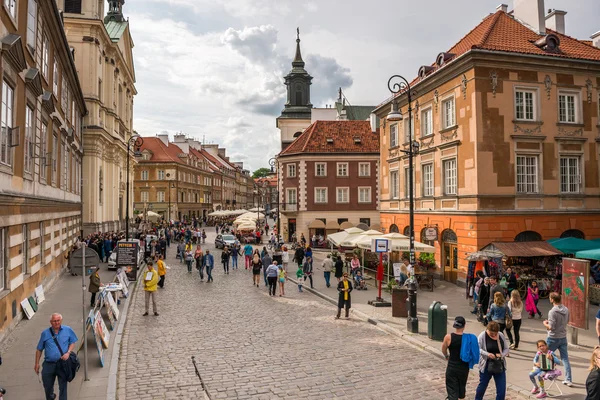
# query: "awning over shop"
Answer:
x=316 y=224
x=332 y=225
x=346 y=225
x=572 y=245
x=593 y=254
x=375 y=227
x=524 y=249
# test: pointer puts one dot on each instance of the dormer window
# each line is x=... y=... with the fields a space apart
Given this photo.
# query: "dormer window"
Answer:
x=549 y=43
x=356 y=140
x=329 y=140
x=425 y=70
x=443 y=58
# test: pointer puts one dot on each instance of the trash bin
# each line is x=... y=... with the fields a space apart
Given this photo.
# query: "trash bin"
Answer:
x=437 y=321
x=399 y=296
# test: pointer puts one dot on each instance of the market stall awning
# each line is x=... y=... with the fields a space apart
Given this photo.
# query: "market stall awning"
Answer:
x=346 y=225
x=524 y=249
x=593 y=254
x=316 y=224
x=332 y=225
x=572 y=245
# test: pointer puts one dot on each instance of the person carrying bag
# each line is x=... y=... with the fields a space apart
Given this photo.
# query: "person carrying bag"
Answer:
x=70 y=366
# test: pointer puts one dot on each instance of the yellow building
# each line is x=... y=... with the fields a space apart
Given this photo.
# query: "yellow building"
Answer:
x=508 y=128
x=104 y=59
x=40 y=153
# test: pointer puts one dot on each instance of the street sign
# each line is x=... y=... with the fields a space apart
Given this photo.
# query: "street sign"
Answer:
x=380 y=245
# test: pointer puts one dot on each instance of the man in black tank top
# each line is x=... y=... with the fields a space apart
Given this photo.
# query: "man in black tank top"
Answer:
x=457 y=370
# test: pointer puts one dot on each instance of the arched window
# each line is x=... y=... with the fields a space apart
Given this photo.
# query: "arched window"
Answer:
x=449 y=236
x=299 y=95
x=528 y=236
x=297 y=134
x=406 y=231
x=394 y=228
x=574 y=233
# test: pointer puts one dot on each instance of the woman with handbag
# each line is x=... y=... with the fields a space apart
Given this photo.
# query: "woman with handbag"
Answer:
x=493 y=348
x=499 y=311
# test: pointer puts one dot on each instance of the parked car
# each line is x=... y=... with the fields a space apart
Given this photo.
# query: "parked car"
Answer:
x=224 y=240
x=112 y=260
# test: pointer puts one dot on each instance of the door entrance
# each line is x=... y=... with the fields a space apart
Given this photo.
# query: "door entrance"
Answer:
x=291 y=229
x=450 y=262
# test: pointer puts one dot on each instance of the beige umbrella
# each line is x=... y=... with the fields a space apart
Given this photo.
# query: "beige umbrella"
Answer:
x=246 y=226
x=337 y=239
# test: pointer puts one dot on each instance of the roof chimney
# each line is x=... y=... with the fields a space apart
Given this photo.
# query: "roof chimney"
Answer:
x=596 y=39
x=531 y=12
x=164 y=137
x=555 y=20
x=503 y=7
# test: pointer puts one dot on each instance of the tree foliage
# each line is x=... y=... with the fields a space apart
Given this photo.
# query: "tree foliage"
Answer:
x=261 y=173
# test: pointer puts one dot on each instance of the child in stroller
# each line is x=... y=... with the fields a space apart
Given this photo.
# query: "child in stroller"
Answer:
x=359 y=281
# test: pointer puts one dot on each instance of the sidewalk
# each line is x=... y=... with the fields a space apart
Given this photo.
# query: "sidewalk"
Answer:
x=18 y=350
x=520 y=361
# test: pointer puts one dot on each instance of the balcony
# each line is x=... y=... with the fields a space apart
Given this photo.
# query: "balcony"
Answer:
x=289 y=207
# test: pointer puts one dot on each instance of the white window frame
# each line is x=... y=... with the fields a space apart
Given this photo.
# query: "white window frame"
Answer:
x=406 y=194
x=394 y=135
x=144 y=175
x=523 y=115
x=64 y=96
x=409 y=135
x=570 y=174
x=160 y=196
x=7 y=115
x=11 y=7
x=450 y=172
x=321 y=199
x=575 y=108
x=394 y=184
x=55 y=77
x=289 y=198
x=31 y=23
x=527 y=173
x=364 y=169
x=29 y=148
x=345 y=195
x=4 y=261
x=54 y=157
x=63 y=180
x=144 y=196
x=342 y=169
x=291 y=170
x=427 y=122
x=427 y=180
x=364 y=194
x=448 y=114
x=160 y=174
x=45 y=56
x=44 y=152
x=324 y=169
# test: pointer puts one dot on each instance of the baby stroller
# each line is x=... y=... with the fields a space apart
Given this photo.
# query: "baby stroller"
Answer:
x=359 y=281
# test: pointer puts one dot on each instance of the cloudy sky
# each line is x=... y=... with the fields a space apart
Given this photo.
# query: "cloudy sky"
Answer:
x=213 y=69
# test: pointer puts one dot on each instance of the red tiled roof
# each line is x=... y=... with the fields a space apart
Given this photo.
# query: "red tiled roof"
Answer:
x=160 y=151
x=501 y=32
x=343 y=133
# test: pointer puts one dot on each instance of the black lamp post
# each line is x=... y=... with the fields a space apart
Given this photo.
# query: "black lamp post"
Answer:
x=273 y=164
x=171 y=186
x=398 y=84
x=136 y=141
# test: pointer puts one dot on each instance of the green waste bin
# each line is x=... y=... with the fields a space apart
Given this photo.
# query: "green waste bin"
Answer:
x=437 y=322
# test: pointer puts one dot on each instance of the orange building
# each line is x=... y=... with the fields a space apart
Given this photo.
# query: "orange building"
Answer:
x=507 y=122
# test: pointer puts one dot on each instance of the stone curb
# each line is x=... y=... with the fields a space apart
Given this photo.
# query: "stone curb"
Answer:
x=113 y=372
x=408 y=337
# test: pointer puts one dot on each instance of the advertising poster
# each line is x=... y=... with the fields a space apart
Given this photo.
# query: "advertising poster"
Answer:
x=27 y=309
x=124 y=282
x=39 y=294
x=127 y=258
x=101 y=330
x=575 y=276
x=98 y=340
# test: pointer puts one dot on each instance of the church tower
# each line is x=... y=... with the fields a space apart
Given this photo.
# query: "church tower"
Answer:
x=296 y=115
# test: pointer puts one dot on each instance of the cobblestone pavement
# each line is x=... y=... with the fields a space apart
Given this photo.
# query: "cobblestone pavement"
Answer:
x=249 y=345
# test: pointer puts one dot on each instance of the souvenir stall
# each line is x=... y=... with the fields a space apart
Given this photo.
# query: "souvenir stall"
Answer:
x=489 y=262
x=530 y=261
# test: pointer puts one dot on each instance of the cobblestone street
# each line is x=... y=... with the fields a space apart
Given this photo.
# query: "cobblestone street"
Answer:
x=250 y=345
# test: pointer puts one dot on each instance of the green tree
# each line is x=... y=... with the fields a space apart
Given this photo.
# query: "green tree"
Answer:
x=261 y=173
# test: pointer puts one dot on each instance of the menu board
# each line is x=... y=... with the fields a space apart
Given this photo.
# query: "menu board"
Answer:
x=575 y=276
x=127 y=258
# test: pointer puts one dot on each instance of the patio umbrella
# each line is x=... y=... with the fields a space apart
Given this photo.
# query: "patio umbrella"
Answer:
x=246 y=226
x=338 y=238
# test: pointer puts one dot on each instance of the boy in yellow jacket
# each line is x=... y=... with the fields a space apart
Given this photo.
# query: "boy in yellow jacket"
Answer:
x=150 y=285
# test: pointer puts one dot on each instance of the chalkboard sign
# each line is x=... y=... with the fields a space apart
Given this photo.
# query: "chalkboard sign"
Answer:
x=575 y=276
x=127 y=258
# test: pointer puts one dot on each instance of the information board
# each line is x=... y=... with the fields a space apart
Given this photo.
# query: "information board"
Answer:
x=127 y=258
x=575 y=276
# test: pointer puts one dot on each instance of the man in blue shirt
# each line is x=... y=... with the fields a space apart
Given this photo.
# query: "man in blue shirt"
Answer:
x=209 y=263
x=67 y=340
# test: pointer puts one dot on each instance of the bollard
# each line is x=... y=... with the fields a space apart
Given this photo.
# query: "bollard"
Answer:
x=412 y=322
x=437 y=324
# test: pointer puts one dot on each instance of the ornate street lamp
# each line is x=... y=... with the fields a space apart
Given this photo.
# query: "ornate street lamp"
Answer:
x=399 y=85
x=136 y=141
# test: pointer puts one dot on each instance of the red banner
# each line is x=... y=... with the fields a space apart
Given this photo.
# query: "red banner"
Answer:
x=575 y=284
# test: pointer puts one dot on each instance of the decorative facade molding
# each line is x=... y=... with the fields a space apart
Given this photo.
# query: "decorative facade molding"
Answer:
x=417 y=110
x=463 y=86
x=427 y=143
x=528 y=131
x=446 y=136
x=494 y=79
x=548 y=85
x=588 y=86
x=436 y=98
x=577 y=132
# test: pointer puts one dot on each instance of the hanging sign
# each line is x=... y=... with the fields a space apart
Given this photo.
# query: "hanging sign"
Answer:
x=431 y=234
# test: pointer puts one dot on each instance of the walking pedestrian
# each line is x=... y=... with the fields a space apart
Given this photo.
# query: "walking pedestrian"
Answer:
x=511 y=280
x=285 y=258
x=339 y=266
x=235 y=252
x=344 y=301
x=248 y=255
x=308 y=271
x=494 y=288
x=198 y=256
x=272 y=273
x=354 y=265
x=256 y=265
x=225 y=259
x=327 y=266
x=150 y=285
x=592 y=383
x=181 y=251
x=556 y=325
x=515 y=305
x=189 y=259
x=209 y=263
x=531 y=301
x=162 y=271
x=484 y=298
x=203 y=237
x=300 y=277
x=282 y=279
x=53 y=342
x=492 y=362
x=299 y=255
x=457 y=370
x=266 y=261
x=94 y=286
x=479 y=278
x=498 y=311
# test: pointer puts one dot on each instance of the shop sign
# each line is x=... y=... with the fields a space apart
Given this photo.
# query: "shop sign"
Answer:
x=575 y=281
x=431 y=234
